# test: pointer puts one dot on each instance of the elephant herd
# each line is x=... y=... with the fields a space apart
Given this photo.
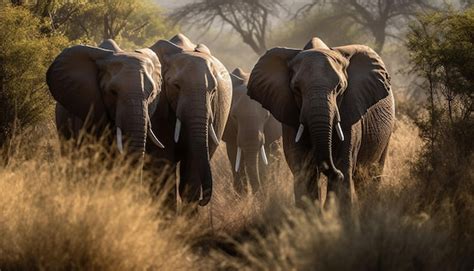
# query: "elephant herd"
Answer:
x=174 y=102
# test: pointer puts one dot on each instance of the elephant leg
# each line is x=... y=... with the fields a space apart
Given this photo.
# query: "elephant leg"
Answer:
x=306 y=184
x=67 y=125
x=306 y=175
x=380 y=166
x=346 y=162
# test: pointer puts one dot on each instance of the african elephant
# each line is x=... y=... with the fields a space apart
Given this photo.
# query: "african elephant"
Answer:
x=251 y=132
x=108 y=87
x=191 y=114
x=319 y=90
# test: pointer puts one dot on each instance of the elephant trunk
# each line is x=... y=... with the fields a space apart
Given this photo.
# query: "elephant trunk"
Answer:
x=132 y=120
x=196 y=172
x=323 y=112
x=252 y=168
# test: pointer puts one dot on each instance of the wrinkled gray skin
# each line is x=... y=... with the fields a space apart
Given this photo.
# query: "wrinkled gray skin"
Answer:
x=307 y=87
x=250 y=126
x=107 y=86
x=197 y=90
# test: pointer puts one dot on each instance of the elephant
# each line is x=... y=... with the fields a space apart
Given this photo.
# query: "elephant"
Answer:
x=316 y=91
x=106 y=87
x=251 y=132
x=192 y=111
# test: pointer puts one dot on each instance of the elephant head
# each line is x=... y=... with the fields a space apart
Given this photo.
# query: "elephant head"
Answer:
x=249 y=129
x=195 y=101
x=304 y=88
x=107 y=86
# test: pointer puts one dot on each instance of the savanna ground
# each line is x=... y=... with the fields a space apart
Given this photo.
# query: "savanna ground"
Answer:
x=76 y=212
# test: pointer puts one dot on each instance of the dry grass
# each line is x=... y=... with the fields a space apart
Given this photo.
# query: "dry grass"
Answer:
x=77 y=212
x=73 y=212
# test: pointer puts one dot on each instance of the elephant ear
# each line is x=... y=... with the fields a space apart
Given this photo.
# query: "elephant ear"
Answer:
x=272 y=130
x=73 y=80
x=153 y=79
x=183 y=42
x=230 y=131
x=240 y=73
x=110 y=44
x=237 y=81
x=315 y=43
x=223 y=99
x=368 y=80
x=269 y=84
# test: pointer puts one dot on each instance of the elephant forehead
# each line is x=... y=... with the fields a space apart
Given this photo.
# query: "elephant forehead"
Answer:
x=133 y=59
x=311 y=59
x=191 y=60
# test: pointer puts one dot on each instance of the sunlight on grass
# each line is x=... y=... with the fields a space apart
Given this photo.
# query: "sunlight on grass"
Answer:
x=90 y=209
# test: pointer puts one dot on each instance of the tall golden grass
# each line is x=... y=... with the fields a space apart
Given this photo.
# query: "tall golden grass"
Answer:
x=78 y=212
x=89 y=210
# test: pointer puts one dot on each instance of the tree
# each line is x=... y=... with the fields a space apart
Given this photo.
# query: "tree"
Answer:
x=375 y=16
x=249 y=18
x=442 y=52
x=319 y=23
x=25 y=54
x=133 y=23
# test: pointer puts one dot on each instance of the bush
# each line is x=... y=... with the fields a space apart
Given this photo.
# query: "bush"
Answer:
x=442 y=52
x=25 y=54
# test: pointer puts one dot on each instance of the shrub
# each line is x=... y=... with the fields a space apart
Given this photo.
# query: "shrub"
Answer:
x=25 y=54
x=442 y=52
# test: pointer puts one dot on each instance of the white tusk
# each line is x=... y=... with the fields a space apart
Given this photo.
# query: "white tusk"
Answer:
x=299 y=133
x=264 y=155
x=119 y=140
x=339 y=131
x=237 y=159
x=154 y=139
x=213 y=134
x=177 y=130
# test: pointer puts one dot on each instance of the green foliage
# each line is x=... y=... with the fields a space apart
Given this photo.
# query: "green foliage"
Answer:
x=25 y=54
x=132 y=24
x=442 y=52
